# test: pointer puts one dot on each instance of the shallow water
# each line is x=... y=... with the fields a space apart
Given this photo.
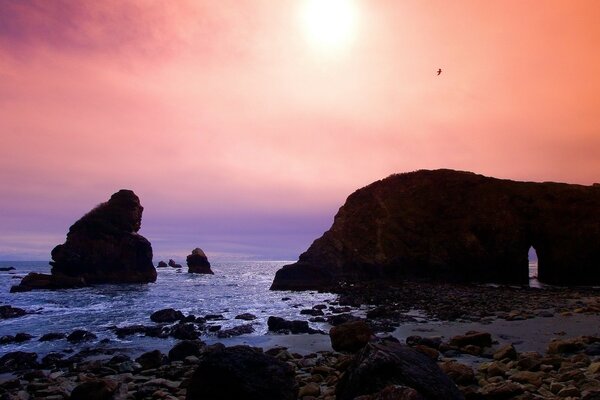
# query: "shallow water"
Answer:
x=236 y=288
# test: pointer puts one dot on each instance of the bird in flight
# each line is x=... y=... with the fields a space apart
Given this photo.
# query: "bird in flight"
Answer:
x=439 y=71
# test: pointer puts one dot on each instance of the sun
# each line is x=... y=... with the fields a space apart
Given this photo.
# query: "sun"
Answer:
x=329 y=24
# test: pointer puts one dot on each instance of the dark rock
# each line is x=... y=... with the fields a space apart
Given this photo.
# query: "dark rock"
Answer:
x=312 y=311
x=198 y=263
x=246 y=317
x=103 y=246
x=241 y=372
x=130 y=330
x=339 y=319
x=235 y=331
x=52 y=336
x=396 y=392
x=22 y=337
x=80 y=335
x=100 y=389
x=166 y=315
x=350 y=336
x=18 y=360
x=52 y=360
x=6 y=269
x=480 y=339
x=162 y=264
x=151 y=359
x=184 y=349
x=214 y=317
x=11 y=312
x=173 y=264
x=277 y=324
x=461 y=374
x=185 y=331
x=158 y=331
x=379 y=365
x=506 y=351
x=455 y=226
x=36 y=281
x=432 y=342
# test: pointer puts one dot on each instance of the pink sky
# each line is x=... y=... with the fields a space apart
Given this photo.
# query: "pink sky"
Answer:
x=242 y=138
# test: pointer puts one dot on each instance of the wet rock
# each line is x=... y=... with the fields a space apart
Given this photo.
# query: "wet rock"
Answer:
x=432 y=342
x=312 y=311
x=379 y=365
x=480 y=339
x=241 y=372
x=235 y=331
x=6 y=269
x=173 y=264
x=501 y=390
x=18 y=360
x=151 y=359
x=277 y=324
x=7 y=312
x=528 y=377
x=246 y=317
x=197 y=262
x=506 y=351
x=100 y=389
x=339 y=319
x=350 y=336
x=184 y=349
x=125 y=331
x=184 y=331
x=162 y=264
x=166 y=315
x=573 y=345
x=461 y=374
x=310 y=389
x=394 y=392
x=214 y=317
x=80 y=335
x=52 y=336
x=37 y=281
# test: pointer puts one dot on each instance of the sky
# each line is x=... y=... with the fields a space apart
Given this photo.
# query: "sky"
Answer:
x=244 y=125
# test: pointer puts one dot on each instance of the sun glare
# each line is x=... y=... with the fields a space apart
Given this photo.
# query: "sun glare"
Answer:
x=329 y=24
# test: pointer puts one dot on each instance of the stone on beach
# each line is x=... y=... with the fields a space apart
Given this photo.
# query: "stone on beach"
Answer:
x=350 y=336
x=241 y=372
x=277 y=324
x=379 y=365
x=166 y=315
x=7 y=312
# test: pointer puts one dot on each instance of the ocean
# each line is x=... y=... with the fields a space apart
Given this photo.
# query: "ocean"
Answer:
x=236 y=288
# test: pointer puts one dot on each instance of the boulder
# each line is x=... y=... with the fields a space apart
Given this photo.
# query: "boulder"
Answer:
x=103 y=246
x=277 y=324
x=151 y=359
x=98 y=389
x=479 y=339
x=350 y=336
x=235 y=331
x=197 y=262
x=379 y=365
x=173 y=264
x=166 y=315
x=18 y=360
x=184 y=349
x=6 y=269
x=7 y=312
x=80 y=335
x=455 y=226
x=35 y=281
x=52 y=336
x=241 y=372
x=162 y=264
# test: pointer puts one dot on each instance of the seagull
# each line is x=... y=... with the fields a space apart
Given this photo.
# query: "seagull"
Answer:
x=439 y=71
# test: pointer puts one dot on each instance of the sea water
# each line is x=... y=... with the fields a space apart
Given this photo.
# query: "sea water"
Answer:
x=235 y=288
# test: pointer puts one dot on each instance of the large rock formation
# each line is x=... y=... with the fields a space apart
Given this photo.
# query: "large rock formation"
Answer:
x=456 y=226
x=197 y=262
x=103 y=246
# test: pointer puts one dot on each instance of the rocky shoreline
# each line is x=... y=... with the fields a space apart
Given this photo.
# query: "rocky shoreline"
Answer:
x=482 y=365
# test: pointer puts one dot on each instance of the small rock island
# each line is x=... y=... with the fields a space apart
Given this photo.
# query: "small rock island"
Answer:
x=103 y=246
x=455 y=226
x=197 y=262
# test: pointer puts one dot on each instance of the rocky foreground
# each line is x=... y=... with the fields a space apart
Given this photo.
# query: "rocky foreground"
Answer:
x=364 y=362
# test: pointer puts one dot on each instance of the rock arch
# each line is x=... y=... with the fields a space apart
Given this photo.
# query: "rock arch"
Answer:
x=457 y=226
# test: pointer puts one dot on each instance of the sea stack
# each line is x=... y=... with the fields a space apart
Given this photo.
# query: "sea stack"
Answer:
x=197 y=262
x=103 y=246
x=450 y=225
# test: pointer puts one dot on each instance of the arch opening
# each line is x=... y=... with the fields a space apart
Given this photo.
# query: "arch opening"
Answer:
x=533 y=267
